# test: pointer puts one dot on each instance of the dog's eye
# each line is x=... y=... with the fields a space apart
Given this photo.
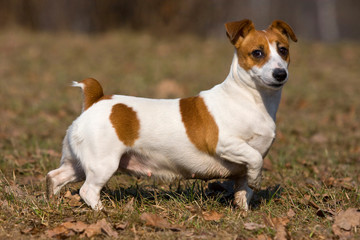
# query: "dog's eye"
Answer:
x=283 y=51
x=257 y=54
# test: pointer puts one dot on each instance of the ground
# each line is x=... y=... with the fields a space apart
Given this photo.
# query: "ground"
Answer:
x=311 y=173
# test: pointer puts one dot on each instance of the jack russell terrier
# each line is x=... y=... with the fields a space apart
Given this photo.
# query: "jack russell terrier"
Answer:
x=223 y=133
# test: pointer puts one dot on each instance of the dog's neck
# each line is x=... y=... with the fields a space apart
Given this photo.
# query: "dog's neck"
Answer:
x=240 y=81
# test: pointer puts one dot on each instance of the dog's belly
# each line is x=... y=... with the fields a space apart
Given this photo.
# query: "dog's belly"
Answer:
x=159 y=166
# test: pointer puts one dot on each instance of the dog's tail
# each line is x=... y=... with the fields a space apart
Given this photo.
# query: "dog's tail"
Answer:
x=92 y=91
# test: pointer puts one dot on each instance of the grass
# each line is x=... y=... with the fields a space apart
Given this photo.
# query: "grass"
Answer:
x=312 y=168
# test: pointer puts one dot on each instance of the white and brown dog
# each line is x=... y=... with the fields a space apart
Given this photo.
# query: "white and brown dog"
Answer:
x=224 y=132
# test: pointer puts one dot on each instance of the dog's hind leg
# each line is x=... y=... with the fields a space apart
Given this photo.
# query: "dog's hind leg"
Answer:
x=99 y=165
x=69 y=171
x=243 y=194
x=98 y=172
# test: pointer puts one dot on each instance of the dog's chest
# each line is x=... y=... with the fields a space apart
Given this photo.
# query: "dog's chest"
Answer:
x=262 y=143
x=262 y=133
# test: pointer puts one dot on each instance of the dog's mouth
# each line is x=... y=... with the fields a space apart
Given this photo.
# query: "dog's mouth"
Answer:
x=276 y=85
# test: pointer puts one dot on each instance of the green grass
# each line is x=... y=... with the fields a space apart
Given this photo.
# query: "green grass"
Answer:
x=313 y=164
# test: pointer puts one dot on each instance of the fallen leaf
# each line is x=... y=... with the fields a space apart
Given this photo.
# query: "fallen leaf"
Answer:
x=346 y=183
x=121 y=226
x=129 y=207
x=212 y=216
x=91 y=230
x=26 y=230
x=154 y=220
x=107 y=228
x=76 y=226
x=345 y=221
x=253 y=226
x=157 y=221
x=280 y=227
x=74 y=200
x=99 y=227
x=290 y=213
x=59 y=231
x=193 y=209
x=263 y=237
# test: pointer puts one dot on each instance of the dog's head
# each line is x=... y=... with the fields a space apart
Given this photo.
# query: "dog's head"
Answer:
x=263 y=54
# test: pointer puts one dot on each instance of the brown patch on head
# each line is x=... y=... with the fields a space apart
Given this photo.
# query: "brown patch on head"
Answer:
x=200 y=125
x=126 y=123
x=247 y=47
x=252 y=46
x=284 y=29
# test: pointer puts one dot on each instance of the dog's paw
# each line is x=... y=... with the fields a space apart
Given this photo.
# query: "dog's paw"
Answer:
x=49 y=187
x=242 y=199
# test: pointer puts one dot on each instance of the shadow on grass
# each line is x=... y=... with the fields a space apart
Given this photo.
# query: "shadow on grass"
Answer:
x=197 y=190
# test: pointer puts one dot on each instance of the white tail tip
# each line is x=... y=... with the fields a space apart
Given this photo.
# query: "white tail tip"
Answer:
x=77 y=84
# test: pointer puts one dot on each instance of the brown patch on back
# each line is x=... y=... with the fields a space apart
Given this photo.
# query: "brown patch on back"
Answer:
x=126 y=123
x=200 y=125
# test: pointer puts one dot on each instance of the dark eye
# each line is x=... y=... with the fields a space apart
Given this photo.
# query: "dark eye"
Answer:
x=257 y=54
x=283 y=51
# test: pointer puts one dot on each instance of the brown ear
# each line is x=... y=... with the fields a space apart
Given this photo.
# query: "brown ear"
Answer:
x=284 y=28
x=234 y=30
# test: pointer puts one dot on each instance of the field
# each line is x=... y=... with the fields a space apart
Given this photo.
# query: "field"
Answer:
x=311 y=174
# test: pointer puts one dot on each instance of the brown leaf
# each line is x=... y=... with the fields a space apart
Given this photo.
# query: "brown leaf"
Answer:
x=291 y=213
x=154 y=220
x=212 y=216
x=280 y=227
x=346 y=183
x=76 y=226
x=253 y=226
x=345 y=221
x=99 y=227
x=59 y=231
x=263 y=237
x=129 y=207
x=91 y=231
x=107 y=228
x=121 y=226
x=73 y=200
x=194 y=209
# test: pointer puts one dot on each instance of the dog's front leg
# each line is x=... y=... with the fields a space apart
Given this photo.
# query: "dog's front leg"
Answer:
x=243 y=153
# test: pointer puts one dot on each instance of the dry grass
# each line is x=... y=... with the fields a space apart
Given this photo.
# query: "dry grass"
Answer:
x=312 y=170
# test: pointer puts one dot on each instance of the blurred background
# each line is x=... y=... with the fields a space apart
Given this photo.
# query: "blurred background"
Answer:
x=328 y=20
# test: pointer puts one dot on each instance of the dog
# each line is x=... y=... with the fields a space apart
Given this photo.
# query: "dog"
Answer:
x=222 y=133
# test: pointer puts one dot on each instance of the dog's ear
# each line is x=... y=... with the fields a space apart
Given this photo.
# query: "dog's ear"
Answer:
x=284 y=28
x=235 y=30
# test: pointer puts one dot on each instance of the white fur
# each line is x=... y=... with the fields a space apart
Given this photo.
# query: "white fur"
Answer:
x=243 y=107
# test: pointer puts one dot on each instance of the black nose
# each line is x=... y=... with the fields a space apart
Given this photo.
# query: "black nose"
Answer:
x=279 y=74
